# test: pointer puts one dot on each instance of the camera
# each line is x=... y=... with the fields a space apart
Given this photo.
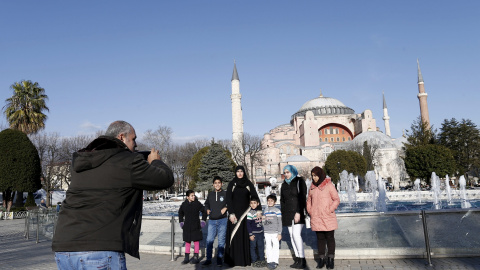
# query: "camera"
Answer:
x=144 y=153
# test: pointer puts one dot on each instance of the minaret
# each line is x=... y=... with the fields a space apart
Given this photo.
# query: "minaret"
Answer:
x=422 y=98
x=237 y=119
x=386 y=118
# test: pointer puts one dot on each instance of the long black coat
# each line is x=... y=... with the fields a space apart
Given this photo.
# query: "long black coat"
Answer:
x=293 y=200
x=237 y=249
x=188 y=213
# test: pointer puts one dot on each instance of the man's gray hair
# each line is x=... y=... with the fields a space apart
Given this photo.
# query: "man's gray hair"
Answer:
x=118 y=127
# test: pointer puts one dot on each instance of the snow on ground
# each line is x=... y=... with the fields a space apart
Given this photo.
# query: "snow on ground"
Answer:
x=159 y=208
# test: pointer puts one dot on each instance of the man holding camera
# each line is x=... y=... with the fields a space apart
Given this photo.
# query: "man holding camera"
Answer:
x=101 y=215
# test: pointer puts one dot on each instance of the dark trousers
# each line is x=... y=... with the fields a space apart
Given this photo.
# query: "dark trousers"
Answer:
x=326 y=239
x=259 y=243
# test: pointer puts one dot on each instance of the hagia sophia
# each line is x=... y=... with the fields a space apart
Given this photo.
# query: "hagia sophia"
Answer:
x=321 y=126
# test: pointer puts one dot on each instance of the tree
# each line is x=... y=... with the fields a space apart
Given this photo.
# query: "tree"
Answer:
x=463 y=138
x=215 y=162
x=421 y=161
x=420 y=134
x=367 y=154
x=249 y=153
x=24 y=110
x=51 y=160
x=340 y=160
x=194 y=165
x=19 y=165
x=160 y=139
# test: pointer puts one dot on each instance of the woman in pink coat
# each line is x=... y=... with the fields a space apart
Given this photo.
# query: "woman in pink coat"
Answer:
x=321 y=204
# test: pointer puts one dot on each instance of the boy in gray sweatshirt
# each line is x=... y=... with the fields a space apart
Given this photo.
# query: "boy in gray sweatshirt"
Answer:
x=272 y=228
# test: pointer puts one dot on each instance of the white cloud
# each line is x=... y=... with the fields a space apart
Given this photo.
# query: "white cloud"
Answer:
x=87 y=128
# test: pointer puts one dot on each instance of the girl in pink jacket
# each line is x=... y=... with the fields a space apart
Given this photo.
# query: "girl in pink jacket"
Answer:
x=321 y=204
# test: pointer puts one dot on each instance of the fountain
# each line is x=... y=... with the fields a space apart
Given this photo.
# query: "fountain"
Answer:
x=351 y=186
x=463 y=184
x=342 y=183
x=448 y=189
x=435 y=180
x=417 y=187
x=371 y=187
x=382 y=196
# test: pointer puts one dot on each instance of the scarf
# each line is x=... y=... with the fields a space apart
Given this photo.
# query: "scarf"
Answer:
x=241 y=182
x=291 y=169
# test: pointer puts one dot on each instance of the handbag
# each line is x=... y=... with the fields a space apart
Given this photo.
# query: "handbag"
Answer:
x=307 y=221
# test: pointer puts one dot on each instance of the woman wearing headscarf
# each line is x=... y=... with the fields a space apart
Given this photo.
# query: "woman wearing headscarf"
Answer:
x=321 y=204
x=292 y=204
x=239 y=193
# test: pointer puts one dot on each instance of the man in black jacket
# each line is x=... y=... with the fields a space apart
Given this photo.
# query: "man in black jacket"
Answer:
x=101 y=215
x=216 y=205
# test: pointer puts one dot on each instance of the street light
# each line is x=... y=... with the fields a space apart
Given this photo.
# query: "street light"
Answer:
x=183 y=179
x=265 y=176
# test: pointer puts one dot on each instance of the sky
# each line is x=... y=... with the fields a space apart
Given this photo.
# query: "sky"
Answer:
x=170 y=63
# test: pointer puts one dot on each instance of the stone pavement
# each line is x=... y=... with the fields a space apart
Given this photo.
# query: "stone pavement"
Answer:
x=18 y=253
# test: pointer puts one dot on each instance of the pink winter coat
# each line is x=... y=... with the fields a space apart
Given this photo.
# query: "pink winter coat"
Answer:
x=321 y=204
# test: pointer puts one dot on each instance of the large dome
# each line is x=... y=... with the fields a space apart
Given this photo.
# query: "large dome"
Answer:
x=324 y=106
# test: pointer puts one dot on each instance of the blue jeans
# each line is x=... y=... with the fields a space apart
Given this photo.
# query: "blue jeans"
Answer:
x=258 y=243
x=216 y=227
x=90 y=260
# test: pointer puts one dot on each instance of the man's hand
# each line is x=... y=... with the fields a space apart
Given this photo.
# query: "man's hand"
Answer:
x=279 y=237
x=208 y=211
x=223 y=210
x=252 y=238
x=154 y=155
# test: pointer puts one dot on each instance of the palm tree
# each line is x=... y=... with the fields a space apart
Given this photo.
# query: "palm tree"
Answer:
x=24 y=110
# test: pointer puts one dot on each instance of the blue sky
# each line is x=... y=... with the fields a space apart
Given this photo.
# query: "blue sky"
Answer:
x=170 y=63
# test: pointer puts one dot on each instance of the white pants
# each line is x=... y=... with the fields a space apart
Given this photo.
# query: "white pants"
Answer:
x=272 y=247
x=295 y=232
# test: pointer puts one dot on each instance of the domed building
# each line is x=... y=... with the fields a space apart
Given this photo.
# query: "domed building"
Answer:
x=321 y=126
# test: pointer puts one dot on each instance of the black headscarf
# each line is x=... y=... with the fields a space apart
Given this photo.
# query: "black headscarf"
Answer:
x=241 y=182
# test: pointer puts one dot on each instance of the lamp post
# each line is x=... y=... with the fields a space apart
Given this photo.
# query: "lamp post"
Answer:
x=183 y=179
x=265 y=176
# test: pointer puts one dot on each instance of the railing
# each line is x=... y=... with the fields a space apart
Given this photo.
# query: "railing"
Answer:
x=40 y=223
x=409 y=234
x=450 y=233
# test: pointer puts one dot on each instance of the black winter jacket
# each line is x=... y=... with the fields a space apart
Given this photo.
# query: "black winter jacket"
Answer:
x=188 y=213
x=215 y=202
x=103 y=207
x=293 y=199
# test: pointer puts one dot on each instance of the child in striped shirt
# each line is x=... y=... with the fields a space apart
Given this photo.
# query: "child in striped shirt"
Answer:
x=255 y=233
x=272 y=231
